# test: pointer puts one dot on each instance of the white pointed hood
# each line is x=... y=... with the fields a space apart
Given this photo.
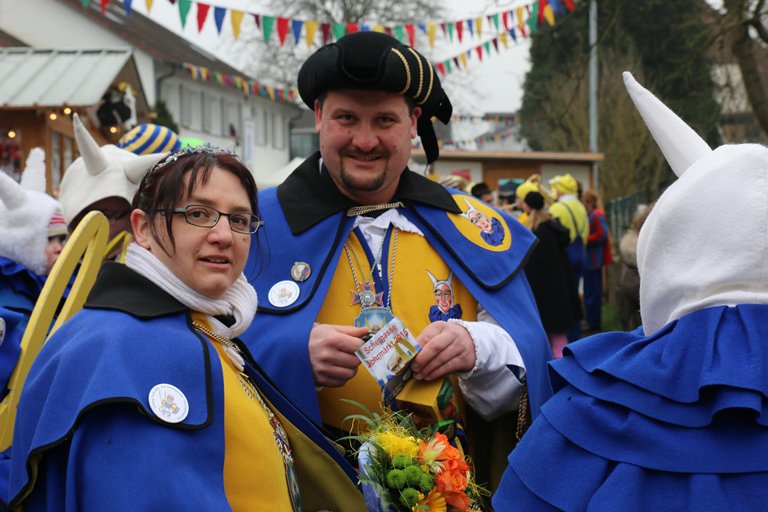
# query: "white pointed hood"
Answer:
x=100 y=172
x=705 y=242
x=25 y=212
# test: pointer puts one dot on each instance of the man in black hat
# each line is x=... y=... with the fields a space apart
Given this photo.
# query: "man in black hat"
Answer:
x=354 y=240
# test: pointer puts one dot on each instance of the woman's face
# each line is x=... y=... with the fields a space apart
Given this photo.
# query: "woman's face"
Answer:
x=208 y=260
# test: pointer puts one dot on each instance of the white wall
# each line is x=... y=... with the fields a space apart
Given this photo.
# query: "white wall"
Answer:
x=475 y=168
x=49 y=24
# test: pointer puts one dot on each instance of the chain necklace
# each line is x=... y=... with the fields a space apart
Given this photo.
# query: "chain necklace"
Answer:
x=367 y=295
x=281 y=438
x=354 y=211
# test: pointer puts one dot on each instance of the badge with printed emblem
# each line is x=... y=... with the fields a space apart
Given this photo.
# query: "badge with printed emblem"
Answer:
x=300 y=271
x=283 y=293
x=168 y=403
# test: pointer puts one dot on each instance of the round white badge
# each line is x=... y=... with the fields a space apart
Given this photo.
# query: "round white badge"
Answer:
x=168 y=403
x=283 y=293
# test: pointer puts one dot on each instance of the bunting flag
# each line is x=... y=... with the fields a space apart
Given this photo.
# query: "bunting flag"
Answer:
x=296 y=26
x=184 y=7
x=202 y=14
x=267 y=22
x=148 y=3
x=218 y=18
x=103 y=6
x=128 y=6
x=236 y=17
x=311 y=31
x=85 y=3
x=282 y=29
x=249 y=87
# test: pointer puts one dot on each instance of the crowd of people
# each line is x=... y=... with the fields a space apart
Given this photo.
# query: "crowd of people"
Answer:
x=216 y=363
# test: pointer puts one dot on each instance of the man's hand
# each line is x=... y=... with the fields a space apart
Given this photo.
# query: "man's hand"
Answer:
x=446 y=348
x=332 y=353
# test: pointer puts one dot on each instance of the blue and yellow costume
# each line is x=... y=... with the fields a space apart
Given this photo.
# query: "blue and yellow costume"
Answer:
x=305 y=221
x=87 y=437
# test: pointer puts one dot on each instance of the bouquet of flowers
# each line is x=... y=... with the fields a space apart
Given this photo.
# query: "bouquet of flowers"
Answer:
x=403 y=468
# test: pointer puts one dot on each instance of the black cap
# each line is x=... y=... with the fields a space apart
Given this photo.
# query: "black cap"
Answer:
x=378 y=62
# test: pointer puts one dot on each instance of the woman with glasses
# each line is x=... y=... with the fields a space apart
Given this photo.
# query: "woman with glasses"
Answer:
x=146 y=400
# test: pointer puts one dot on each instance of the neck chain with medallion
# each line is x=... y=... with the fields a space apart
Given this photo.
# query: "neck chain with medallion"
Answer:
x=367 y=295
x=281 y=438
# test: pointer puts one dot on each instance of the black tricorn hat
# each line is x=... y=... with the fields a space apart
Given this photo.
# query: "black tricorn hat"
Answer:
x=378 y=62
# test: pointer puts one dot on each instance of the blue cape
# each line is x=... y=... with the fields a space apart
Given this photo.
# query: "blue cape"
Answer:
x=278 y=337
x=672 y=421
x=85 y=408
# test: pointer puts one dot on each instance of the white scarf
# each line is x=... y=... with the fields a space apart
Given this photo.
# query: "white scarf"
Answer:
x=238 y=301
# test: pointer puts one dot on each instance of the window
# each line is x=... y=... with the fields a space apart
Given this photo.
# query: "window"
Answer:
x=232 y=119
x=278 y=131
x=262 y=127
x=192 y=109
x=212 y=115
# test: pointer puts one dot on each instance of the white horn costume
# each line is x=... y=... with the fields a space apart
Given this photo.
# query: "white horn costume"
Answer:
x=673 y=415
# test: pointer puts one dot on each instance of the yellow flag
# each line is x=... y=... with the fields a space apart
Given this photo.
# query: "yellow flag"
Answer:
x=149 y=5
x=479 y=26
x=549 y=15
x=431 y=27
x=311 y=31
x=204 y=73
x=271 y=92
x=236 y=17
x=519 y=13
x=378 y=28
x=503 y=37
x=463 y=59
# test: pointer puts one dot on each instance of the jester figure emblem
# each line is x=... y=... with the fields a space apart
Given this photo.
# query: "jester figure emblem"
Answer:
x=491 y=230
x=444 y=308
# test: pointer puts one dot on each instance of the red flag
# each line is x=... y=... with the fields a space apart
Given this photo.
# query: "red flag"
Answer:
x=104 y=5
x=257 y=19
x=352 y=27
x=411 y=35
x=440 y=68
x=479 y=50
x=202 y=14
x=569 y=5
x=459 y=29
x=325 y=29
x=505 y=19
x=540 y=17
x=388 y=30
x=282 y=29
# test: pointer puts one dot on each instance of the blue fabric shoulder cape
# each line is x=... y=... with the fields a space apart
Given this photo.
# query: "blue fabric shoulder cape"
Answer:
x=102 y=363
x=279 y=336
x=673 y=421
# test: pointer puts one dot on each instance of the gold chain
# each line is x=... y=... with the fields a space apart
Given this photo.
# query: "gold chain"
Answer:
x=354 y=211
x=218 y=337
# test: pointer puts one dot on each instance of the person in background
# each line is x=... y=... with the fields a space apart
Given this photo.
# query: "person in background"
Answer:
x=549 y=273
x=670 y=417
x=353 y=236
x=628 y=287
x=146 y=399
x=103 y=179
x=32 y=235
x=598 y=256
x=483 y=192
x=571 y=213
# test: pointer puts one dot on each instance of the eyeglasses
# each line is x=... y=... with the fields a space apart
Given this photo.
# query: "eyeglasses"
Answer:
x=207 y=217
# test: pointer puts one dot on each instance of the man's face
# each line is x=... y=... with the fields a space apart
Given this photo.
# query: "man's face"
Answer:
x=443 y=297
x=365 y=141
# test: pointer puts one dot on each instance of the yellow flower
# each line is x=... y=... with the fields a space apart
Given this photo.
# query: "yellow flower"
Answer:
x=395 y=444
x=434 y=501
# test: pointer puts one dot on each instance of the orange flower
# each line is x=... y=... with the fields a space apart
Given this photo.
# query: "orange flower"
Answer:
x=435 y=501
x=457 y=500
x=451 y=481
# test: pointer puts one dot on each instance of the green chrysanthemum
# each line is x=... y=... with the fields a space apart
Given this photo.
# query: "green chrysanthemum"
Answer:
x=396 y=479
x=409 y=497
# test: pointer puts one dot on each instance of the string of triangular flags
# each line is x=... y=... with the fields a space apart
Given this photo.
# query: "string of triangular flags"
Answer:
x=495 y=118
x=507 y=21
x=249 y=87
x=473 y=142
